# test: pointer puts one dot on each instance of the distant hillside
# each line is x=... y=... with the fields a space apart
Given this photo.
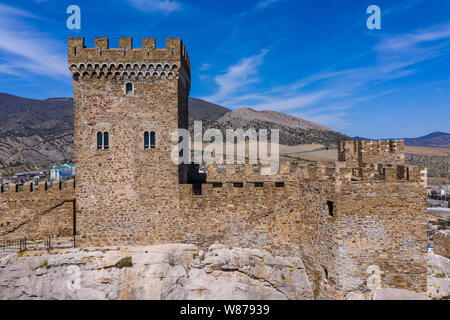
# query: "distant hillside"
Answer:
x=204 y=110
x=433 y=140
x=436 y=139
x=292 y=130
x=36 y=134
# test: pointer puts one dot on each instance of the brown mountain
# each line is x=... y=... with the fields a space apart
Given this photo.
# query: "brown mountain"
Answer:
x=36 y=134
x=436 y=139
x=292 y=130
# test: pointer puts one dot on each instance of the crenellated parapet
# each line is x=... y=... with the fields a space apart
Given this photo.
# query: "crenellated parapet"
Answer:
x=36 y=210
x=41 y=189
x=255 y=173
x=300 y=172
x=127 y=62
x=226 y=190
x=380 y=172
x=360 y=152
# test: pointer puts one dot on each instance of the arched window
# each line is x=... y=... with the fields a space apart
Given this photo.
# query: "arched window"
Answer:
x=99 y=140
x=129 y=88
x=152 y=140
x=146 y=140
x=102 y=140
x=105 y=140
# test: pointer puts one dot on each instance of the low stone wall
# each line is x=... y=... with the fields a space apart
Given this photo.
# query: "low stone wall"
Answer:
x=37 y=211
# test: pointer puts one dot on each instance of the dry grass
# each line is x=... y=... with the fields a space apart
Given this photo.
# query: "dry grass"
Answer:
x=305 y=152
x=426 y=151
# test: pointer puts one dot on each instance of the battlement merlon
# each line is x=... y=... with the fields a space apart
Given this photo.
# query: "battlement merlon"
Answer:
x=174 y=51
x=362 y=152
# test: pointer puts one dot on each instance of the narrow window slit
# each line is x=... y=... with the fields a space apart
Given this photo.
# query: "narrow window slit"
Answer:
x=330 y=205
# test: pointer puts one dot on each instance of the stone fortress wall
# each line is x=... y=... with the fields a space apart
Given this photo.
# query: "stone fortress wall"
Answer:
x=340 y=219
x=368 y=208
x=36 y=210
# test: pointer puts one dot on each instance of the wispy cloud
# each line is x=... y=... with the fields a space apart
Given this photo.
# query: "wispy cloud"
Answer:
x=6 y=11
x=238 y=76
x=402 y=6
x=205 y=66
x=165 y=6
x=326 y=96
x=26 y=50
x=265 y=3
x=413 y=40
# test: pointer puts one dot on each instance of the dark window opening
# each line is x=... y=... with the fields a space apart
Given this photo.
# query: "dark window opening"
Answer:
x=31 y=187
x=279 y=184
x=102 y=140
x=99 y=140
x=106 y=140
x=238 y=185
x=2 y=187
x=217 y=185
x=152 y=139
x=197 y=189
x=330 y=208
x=326 y=272
x=146 y=140
x=129 y=88
x=259 y=184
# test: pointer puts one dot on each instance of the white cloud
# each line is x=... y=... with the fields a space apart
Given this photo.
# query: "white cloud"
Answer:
x=323 y=97
x=265 y=3
x=28 y=51
x=205 y=66
x=166 y=6
x=410 y=40
x=6 y=11
x=237 y=76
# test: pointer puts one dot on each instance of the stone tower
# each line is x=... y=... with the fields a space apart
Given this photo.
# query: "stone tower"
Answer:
x=127 y=102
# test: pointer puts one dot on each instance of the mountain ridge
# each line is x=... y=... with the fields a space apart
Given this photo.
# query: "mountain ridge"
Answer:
x=436 y=139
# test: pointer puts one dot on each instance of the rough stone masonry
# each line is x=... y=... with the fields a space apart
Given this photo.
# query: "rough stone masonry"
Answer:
x=368 y=208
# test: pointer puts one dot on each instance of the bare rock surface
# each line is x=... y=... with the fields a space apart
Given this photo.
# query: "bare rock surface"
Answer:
x=172 y=271
x=398 y=294
x=438 y=277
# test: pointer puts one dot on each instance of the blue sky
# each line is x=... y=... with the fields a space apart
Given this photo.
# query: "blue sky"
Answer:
x=312 y=59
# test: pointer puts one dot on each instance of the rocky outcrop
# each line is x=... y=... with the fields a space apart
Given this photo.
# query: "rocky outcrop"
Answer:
x=398 y=294
x=176 y=271
x=179 y=271
x=438 y=276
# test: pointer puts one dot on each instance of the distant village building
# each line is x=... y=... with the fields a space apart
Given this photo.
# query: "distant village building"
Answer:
x=62 y=172
x=22 y=177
